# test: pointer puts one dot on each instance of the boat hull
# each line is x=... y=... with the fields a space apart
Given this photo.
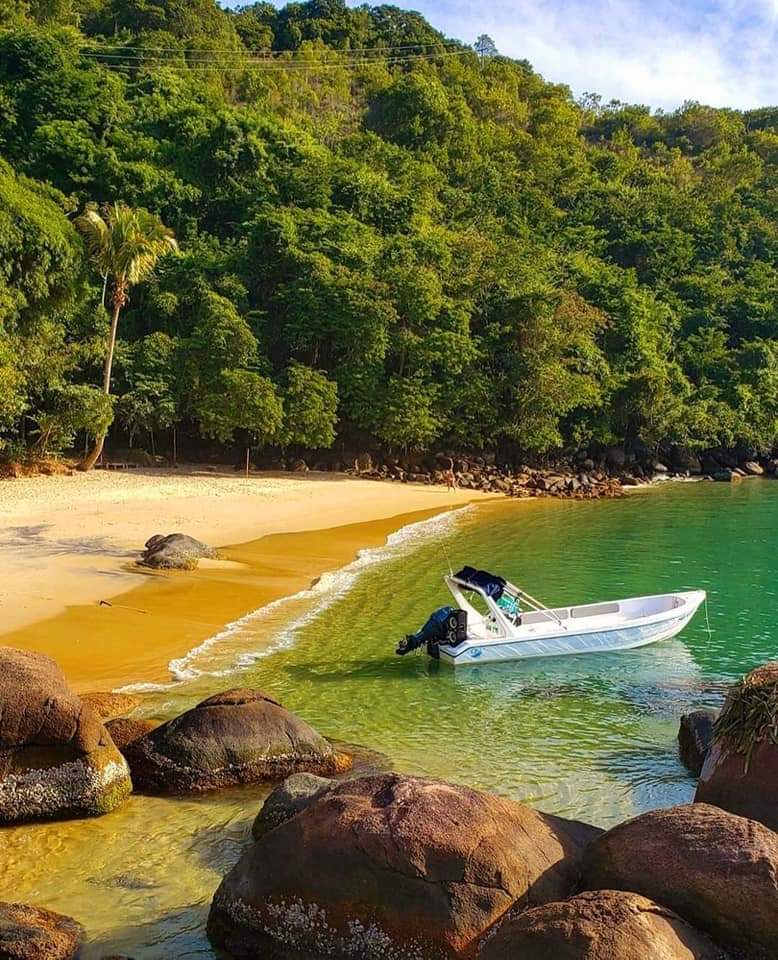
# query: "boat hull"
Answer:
x=624 y=637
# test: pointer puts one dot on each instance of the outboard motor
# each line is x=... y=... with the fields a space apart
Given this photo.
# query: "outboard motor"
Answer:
x=445 y=625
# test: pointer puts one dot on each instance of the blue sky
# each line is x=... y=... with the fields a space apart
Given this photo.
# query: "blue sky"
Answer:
x=661 y=53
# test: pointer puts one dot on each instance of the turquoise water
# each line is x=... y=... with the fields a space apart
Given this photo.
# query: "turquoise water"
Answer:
x=591 y=736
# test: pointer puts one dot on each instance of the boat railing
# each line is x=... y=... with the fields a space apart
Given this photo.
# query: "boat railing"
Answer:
x=536 y=604
x=512 y=590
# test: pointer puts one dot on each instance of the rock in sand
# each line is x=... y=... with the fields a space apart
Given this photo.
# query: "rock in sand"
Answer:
x=108 y=706
x=126 y=730
x=174 y=551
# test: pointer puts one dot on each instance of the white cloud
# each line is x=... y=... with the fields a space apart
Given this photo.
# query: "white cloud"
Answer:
x=721 y=52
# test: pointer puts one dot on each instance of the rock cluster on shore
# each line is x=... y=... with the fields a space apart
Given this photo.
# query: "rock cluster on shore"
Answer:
x=58 y=759
x=580 y=477
x=564 y=480
x=717 y=870
x=393 y=867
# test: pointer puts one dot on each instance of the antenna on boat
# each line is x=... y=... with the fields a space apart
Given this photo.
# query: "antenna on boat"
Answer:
x=448 y=560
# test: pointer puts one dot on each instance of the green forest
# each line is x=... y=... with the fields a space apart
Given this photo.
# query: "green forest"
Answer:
x=348 y=232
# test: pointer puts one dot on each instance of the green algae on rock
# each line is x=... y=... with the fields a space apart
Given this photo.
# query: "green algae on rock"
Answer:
x=740 y=772
x=750 y=714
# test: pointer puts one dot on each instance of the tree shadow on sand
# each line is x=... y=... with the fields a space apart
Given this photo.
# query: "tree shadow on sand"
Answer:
x=32 y=538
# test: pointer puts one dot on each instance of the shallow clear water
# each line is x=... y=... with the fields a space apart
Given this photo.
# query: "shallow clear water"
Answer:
x=588 y=736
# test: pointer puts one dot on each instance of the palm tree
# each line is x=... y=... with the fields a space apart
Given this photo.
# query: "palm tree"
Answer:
x=124 y=245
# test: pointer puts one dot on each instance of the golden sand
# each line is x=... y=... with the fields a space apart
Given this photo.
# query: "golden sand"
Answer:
x=67 y=557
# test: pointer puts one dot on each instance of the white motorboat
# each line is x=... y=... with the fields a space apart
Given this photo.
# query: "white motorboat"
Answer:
x=512 y=625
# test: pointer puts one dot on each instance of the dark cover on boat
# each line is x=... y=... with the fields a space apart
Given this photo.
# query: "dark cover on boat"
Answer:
x=490 y=583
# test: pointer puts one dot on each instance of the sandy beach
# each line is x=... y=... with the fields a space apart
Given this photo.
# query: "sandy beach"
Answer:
x=68 y=543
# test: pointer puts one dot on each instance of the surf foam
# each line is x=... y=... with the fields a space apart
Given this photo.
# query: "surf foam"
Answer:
x=330 y=587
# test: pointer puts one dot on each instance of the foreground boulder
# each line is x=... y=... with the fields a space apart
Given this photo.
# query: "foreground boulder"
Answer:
x=288 y=799
x=240 y=736
x=716 y=870
x=175 y=551
x=740 y=772
x=56 y=757
x=29 y=933
x=126 y=730
x=393 y=867
x=695 y=734
x=109 y=706
x=601 y=925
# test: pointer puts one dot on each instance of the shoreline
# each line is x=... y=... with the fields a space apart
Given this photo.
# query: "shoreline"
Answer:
x=109 y=623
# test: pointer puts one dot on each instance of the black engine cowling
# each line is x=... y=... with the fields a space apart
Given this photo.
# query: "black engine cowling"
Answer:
x=445 y=625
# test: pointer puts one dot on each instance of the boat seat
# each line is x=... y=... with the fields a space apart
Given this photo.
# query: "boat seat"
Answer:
x=594 y=610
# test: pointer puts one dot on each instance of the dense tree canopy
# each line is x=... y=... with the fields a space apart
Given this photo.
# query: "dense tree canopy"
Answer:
x=382 y=234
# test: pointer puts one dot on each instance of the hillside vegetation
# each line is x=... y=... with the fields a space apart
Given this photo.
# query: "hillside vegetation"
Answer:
x=384 y=237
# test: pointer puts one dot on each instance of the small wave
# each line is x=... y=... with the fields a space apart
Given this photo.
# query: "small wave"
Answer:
x=144 y=687
x=326 y=590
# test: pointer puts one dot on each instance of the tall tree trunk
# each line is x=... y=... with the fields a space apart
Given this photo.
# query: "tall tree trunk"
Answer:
x=94 y=454
x=117 y=309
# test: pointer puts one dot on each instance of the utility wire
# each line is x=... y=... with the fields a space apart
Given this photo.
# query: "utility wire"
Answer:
x=292 y=66
x=205 y=55
x=282 y=53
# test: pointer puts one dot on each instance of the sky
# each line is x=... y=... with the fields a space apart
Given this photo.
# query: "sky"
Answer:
x=720 y=52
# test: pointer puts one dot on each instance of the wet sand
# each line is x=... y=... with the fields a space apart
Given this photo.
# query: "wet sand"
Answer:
x=70 y=587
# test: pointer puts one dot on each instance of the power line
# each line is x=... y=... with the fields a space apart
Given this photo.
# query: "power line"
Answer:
x=258 y=64
x=195 y=57
x=282 y=53
x=291 y=66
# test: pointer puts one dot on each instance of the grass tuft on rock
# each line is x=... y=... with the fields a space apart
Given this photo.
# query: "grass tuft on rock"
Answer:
x=750 y=714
